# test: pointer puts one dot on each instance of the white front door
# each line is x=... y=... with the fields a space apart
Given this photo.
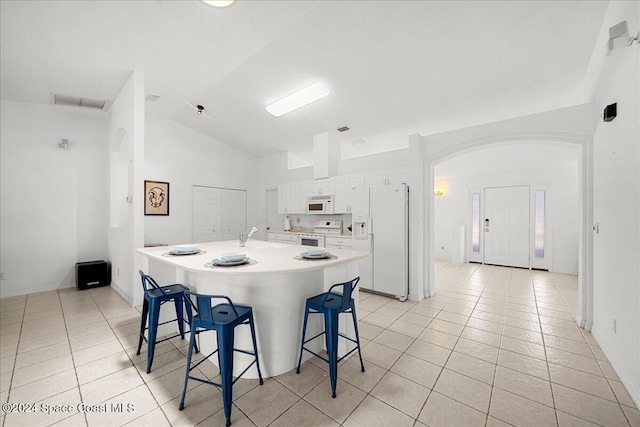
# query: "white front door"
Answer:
x=506 y=226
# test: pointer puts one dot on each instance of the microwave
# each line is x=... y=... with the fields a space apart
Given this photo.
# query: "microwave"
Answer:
x=319 y=205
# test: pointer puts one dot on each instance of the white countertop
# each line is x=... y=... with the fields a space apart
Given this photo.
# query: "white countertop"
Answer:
x=271 y=258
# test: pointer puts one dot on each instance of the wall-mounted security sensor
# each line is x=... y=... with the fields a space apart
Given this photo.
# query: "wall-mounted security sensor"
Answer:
x=610 y=112
x=200 y=109
x=64 y=144
x=619 y=38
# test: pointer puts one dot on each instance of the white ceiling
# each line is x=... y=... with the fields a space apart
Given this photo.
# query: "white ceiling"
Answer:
x=388 y=64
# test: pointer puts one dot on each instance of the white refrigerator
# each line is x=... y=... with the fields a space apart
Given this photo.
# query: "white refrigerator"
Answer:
x=388 y=234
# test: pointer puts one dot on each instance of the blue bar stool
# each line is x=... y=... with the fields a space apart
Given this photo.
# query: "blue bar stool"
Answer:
x=154 y=297
x=330 y=305
x=222 y=318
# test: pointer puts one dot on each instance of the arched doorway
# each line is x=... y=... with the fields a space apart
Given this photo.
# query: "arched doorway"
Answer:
x=436 y=152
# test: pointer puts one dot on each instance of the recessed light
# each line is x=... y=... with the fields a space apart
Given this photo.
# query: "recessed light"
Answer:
x=218 y=3
x=343 y=129
x=298 y=99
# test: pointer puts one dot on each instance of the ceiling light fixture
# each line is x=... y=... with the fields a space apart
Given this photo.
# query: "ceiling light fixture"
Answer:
x=298 y=99
x=218 y=3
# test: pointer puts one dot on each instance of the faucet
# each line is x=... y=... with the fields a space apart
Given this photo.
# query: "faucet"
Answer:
x=246 y=236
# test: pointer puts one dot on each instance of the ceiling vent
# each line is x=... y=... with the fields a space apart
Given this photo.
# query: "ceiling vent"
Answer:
x=343 y=129
x=99 y=104
x=151 y=98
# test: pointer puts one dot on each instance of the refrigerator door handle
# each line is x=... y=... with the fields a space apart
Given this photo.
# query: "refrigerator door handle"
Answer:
x=372 y=255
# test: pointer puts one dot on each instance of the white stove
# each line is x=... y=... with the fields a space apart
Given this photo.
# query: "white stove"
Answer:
x=327 y=227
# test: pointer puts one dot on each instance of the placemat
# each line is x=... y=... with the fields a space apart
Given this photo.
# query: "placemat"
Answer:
x=222 y=267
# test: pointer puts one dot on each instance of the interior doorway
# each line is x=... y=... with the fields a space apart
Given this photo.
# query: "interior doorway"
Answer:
x=514 y=211
x=439 y=153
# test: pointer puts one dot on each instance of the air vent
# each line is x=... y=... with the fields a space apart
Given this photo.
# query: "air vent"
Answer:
x=100 y=104
x=151 y=98
x=343 y=129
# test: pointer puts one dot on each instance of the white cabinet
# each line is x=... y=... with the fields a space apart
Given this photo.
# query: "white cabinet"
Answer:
x=341 y=200
x=345 y=186
x=218 y=214
x=372 y=179
x=292 y=197
x=282 y=238
x=299 y=203
x=321 y=187
x=387 y=177
x=398 y=176
x=338 y=242
x=234 y=213
x=207 y=214
x=284 y=197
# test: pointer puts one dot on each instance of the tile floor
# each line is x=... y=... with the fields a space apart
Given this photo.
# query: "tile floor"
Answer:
x=497 y=346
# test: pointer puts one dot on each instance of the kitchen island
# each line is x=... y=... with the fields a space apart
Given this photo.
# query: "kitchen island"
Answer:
x=276 y=283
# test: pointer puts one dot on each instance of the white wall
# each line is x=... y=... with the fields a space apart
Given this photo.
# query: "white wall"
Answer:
x=54 y=202
x=556 y=168
x=616 y=203
x=125 y=133
x=184 y=157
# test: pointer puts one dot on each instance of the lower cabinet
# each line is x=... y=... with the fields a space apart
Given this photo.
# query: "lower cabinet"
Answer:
x=282 y=238
x=338 y=242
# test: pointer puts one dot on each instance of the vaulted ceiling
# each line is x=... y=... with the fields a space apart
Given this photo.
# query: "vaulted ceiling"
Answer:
x=388 y=64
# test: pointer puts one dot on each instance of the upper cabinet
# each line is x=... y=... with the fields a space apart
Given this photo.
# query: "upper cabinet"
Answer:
x=292 y=196
x=320 y=187
x=386 y=177
x=345 y=185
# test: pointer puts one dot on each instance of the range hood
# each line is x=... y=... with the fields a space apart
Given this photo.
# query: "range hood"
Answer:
x=326 y=153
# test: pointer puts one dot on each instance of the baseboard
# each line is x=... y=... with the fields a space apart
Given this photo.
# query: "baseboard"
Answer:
x=20 y=292
x=122 y=293
x=416 y=297
x=633 y=389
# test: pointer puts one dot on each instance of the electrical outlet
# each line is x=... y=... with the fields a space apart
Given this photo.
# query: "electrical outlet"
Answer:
x=614 y=325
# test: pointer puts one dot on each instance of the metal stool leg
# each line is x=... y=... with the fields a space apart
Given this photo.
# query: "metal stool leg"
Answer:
x=143 y=323
x=355 y=327
x=304 y=332
x=154 y=315
x=225 y=360
x=331 y=336
x=179 y=303
x=192 y=341
x=187 y=306
x=255 y=346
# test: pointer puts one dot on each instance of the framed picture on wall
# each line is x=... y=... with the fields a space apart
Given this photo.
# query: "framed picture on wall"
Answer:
x=156 y=198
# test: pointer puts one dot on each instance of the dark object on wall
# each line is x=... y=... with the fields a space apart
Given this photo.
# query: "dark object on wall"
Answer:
x=156 y=198
x=610 y=112
x=93 y=274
